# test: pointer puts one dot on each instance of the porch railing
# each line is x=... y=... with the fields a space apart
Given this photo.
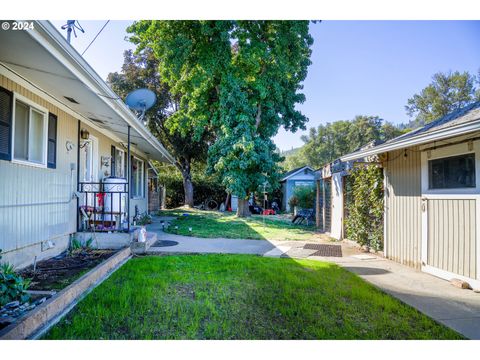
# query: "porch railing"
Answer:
x=103 y=207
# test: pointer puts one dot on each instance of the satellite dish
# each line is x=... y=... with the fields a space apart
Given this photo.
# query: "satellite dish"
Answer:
x=141 y=100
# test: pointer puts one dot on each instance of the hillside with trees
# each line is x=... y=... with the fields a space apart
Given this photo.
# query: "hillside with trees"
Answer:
x=446 y=93
x=327 y=142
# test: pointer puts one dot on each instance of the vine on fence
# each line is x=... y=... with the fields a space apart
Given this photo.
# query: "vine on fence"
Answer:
x=364 y=223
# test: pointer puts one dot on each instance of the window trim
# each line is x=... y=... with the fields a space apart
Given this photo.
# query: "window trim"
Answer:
x=446 y=152
x=41 y=109
x=136 y=197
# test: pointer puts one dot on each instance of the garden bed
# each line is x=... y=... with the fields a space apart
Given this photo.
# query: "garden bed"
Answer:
x=50 y=276
x=59 y=272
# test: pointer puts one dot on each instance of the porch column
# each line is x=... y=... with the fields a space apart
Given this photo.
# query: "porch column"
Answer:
x=323 y=205
x=78 y=175
x=129 y=177
x=317 y=207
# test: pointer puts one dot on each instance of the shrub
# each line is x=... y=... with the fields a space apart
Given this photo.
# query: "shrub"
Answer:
x=144 y=219
x=12 y=286
x=204 y=187
x=292 y=202
x=306 y=196
x=364 y=223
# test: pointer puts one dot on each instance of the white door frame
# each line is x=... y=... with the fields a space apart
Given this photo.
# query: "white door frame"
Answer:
x=93 y=142
x=467 y=194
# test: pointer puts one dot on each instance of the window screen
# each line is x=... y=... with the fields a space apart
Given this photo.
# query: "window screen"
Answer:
x=452 y=172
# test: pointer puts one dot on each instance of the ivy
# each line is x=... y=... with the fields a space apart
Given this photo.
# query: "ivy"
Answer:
x=364 y=223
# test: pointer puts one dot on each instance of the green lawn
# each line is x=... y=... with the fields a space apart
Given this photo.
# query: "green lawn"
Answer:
x=212 y=224
x=241 y=297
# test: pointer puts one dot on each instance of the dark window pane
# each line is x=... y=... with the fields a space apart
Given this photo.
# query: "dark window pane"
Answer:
x=452 y=172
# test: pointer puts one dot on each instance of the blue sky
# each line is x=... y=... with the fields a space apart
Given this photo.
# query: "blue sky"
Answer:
x=358 y=67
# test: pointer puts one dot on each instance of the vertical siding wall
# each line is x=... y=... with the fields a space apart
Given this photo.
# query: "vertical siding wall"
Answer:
x=452 y=236
x=25 y=219
x=403 y=207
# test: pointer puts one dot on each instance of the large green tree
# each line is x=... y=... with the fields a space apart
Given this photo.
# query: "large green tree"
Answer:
x=447 y=92
x=141 y=70
x=241 y=77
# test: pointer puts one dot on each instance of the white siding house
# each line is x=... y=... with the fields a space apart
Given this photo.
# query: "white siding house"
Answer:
x=432 y=196
x=62 y=130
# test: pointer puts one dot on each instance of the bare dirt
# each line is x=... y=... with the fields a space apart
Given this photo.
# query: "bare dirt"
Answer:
x=59 y=272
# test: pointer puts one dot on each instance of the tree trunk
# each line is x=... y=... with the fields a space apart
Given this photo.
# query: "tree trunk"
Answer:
x=243 y=210
x=184 y=166
x=188 y=189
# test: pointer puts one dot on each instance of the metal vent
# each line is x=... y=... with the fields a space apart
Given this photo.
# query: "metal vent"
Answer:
x=96 y=120
x=72 y=100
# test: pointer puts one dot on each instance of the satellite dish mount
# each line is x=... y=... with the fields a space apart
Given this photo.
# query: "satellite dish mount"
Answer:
x=140 y=101
x=70 y=26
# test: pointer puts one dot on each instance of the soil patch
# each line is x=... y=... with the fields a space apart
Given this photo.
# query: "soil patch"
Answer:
x=59 y=272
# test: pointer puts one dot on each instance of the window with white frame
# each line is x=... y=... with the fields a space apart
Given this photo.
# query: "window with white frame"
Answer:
x=30 y=133
x=138 y=173
x=452 y=172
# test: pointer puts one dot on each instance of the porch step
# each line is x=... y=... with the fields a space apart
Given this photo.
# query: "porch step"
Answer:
x=142 y=247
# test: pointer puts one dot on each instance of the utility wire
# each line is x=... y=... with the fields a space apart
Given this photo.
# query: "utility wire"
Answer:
x=103 y=27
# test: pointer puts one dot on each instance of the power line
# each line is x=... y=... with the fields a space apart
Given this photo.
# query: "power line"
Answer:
x=103 y=27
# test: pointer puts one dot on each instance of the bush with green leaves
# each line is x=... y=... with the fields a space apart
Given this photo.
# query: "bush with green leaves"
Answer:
x=306 y=196
x=144 y=219
x=292 y=202
x=76 y=245
x=364 y=223
x=12 y=286
x=204 y=187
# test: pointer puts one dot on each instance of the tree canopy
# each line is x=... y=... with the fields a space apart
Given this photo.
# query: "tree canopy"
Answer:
x=447 y=92
x=332 y=140
x=141 y=70
x=243 y=78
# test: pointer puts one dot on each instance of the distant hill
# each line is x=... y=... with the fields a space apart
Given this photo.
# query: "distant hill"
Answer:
x=289 y=152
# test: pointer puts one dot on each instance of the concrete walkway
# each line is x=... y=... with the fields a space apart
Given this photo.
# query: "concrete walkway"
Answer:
x=456 y=308
x=194 y=245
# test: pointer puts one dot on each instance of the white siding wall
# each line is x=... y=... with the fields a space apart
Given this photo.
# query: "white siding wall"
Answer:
x=36 y=203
